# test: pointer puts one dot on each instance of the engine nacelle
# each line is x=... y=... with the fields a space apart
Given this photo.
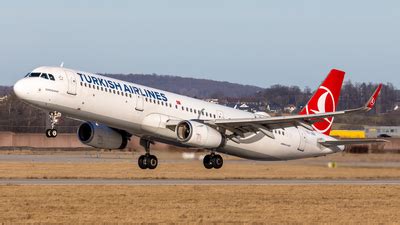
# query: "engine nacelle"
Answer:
x=199 y=135
x=101 y=136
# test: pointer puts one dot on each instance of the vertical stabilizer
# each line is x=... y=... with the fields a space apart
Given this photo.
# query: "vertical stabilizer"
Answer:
x=325 y=99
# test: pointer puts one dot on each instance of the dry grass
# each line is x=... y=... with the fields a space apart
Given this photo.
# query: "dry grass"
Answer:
x=189 y=170
x=200 y=204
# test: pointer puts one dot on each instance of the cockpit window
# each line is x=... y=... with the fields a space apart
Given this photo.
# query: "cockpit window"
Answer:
x=51 y=77
x=34 y=75
x=44 y=75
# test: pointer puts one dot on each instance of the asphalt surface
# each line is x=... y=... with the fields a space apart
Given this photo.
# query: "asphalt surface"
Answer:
x=150 y=182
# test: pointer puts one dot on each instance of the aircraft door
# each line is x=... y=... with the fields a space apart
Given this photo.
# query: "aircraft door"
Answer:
x=72 y=83
x=302 y=140
x=139 y=103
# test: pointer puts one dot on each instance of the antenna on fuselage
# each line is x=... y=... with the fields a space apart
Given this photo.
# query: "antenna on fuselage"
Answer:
x=62 y=64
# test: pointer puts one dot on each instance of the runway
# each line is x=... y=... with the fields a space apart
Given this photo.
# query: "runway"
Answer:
x=152 y=182
x=96 y=157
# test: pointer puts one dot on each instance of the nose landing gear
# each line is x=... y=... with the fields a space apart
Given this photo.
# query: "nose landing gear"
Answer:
x=54 y=118
x=147 y=161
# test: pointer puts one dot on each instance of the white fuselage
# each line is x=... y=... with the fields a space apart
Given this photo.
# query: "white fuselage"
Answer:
x=145 y=112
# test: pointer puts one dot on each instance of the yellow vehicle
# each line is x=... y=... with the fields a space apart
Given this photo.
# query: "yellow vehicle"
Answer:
x=347 y=133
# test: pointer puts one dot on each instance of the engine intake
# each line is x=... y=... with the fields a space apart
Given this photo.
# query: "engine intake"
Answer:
x=101 y=136
x=197 y=134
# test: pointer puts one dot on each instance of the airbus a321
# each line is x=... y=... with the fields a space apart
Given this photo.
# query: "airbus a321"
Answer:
x=114 y=110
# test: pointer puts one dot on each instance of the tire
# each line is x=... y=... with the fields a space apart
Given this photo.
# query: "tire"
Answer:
x=53 y=133
x=207 y=162
x=48 y=133
x=152 y=162
x=142 y=162
x=217 y=161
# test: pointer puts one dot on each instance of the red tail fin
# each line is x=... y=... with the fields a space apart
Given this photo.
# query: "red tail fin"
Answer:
x=325 y=99
x=371 y=102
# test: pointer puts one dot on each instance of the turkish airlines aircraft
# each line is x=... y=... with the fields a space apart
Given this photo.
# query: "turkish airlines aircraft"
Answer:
x=115 y=110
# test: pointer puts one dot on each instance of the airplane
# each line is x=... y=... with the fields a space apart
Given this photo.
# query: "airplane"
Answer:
x=113 y=111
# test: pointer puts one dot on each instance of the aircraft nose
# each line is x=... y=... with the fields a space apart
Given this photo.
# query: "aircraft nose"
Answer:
x=19 y=89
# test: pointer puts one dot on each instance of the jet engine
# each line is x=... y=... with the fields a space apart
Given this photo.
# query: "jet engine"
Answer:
x=197 y=134
x=101 y=136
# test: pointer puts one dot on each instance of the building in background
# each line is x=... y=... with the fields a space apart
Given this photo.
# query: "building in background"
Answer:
x=382 y=131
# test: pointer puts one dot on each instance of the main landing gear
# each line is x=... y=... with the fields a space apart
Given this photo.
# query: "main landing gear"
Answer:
x=54 y=118
x=147 y=161
x=213 y=161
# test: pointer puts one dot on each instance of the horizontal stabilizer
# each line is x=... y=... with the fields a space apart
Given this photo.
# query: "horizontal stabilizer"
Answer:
x=351 y=141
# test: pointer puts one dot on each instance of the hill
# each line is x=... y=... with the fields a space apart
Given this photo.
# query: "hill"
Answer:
x=200 y=88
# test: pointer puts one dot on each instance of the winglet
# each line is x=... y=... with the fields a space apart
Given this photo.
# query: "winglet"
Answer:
x=371 y=102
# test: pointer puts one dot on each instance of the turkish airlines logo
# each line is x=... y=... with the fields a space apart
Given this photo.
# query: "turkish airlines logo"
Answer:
x=372 y=103
x=325 y=103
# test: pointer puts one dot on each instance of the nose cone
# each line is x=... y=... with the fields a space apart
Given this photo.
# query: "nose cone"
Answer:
x=19 y=89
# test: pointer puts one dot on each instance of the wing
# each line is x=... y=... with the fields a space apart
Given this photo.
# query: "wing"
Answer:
x=265 y=124
x=350 y=142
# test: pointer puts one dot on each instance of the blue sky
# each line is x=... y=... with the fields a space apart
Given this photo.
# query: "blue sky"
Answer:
x=249 y=42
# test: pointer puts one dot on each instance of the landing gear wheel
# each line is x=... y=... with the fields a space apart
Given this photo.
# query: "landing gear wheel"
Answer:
x=48 y=133
x=147 y=162
x=213 y=161
x=51 y=133
x=207 y=162
x=217 y=161
x=152 y=162
x=142 y=162
x=54 y=133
